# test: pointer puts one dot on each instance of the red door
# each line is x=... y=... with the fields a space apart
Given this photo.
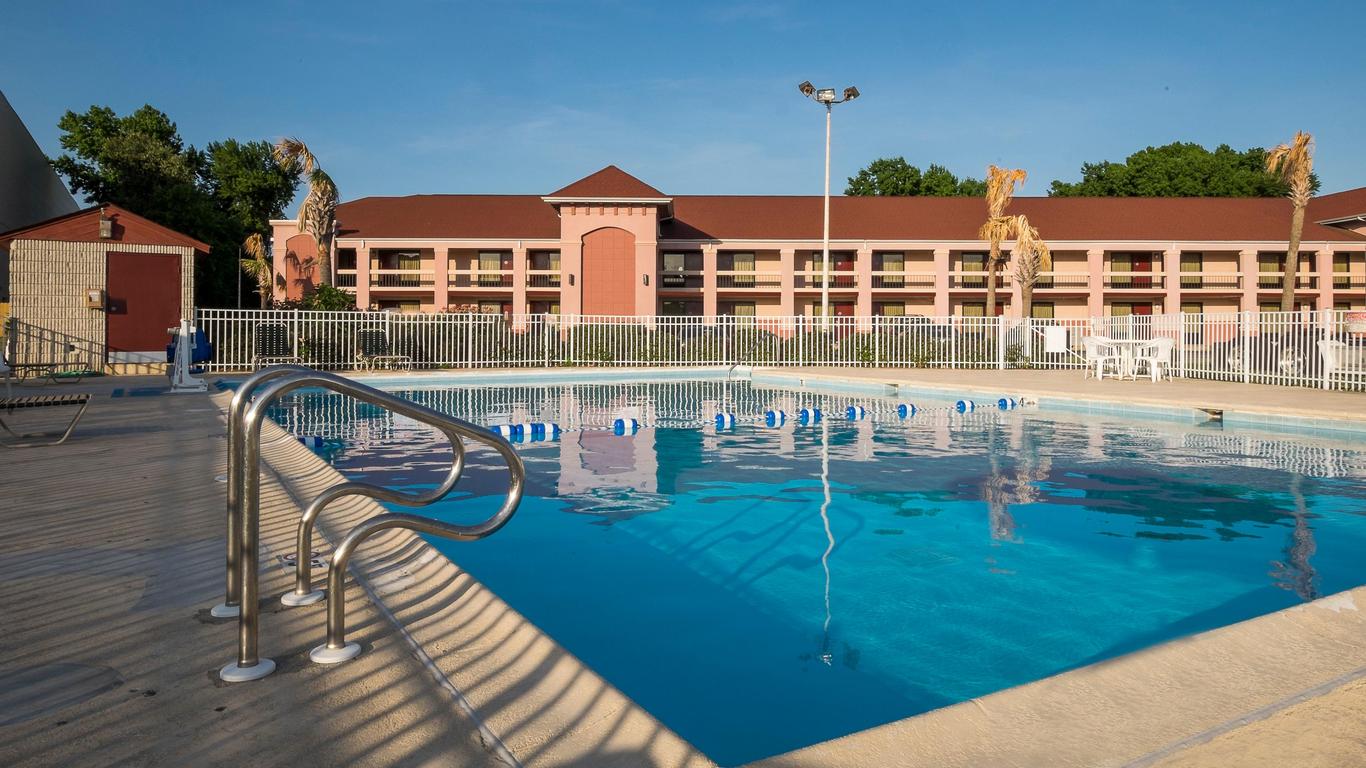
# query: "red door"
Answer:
x=1142 y=309
x=144 y=300
x=1142 y=264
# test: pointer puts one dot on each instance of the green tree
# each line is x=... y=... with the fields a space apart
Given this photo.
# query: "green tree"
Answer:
x=1180 y=169
x=894 y=177
x=887 y=176
x=220 y=195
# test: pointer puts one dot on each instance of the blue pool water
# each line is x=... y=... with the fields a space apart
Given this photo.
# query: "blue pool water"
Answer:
x=759 y=590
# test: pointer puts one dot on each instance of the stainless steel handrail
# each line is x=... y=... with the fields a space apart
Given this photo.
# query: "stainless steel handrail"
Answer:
x=249 y=666
x=232 y=597
x=303 y=593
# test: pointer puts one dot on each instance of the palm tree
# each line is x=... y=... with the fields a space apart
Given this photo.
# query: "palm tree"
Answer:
x=1293 y=164
x=1001 y=183
x=1031 y=255
x=258 y=267
x=318 y=211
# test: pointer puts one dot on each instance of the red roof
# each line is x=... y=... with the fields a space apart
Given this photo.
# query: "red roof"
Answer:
x=753 y=217
x=610 y=183
x=473 y=216
x=1340 y=205
x=83 y=226
x=958 y=218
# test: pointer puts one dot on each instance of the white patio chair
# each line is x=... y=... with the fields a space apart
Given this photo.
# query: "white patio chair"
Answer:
x=1342 y=363
x=1101 y=356
x=1156 y=358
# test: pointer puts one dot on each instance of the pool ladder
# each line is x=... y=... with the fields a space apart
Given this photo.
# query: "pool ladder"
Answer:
x=245 y=414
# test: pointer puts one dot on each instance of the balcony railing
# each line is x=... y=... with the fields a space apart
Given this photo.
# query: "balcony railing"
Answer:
x=1134 y=280
x=480 y=278
x=741 y=279
x=346 y=278
x=1206 y=280
x=687 y=278
x=1062 y=280
x=838 y=279
x=543 y=278
x=903 y=280
x=400 y=278
x=1343 y=282
x=1272 y=280
x=960 y=279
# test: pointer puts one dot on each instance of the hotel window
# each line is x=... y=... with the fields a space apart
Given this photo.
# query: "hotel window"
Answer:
x=891 y=309
x=743 y=262
x=681 y=308
x=490 y=265
x=743 y=309
x=1192 y=327
x=346 y=258
x=974 y=262
x=1342 y=268
x=1140 y=263
x=545 y=260
x=545 y=307
x=1268 y=265
x=404 y=307
x=1041 y=310
x=1192 y=264
x=973 y=309
x=1126 y=308
x=890 y=262
x=673 y=266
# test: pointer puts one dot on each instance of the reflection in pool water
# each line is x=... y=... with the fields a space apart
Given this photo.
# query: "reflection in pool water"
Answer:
x=763 y=589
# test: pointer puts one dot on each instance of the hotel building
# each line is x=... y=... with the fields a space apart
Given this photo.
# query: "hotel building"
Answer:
x=610 y=244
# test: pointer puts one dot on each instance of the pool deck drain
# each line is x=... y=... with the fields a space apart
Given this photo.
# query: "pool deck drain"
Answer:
x=115 y=555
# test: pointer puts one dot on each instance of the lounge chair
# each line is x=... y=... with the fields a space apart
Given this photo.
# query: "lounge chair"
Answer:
x=274 y=346
x=8 y=405
x=1156 y=358
x=373 y=350
x=1101 y=357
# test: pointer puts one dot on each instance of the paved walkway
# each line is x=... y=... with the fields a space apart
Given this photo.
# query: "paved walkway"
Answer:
x=112 y=555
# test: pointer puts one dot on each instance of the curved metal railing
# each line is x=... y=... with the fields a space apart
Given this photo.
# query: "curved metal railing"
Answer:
x=244 y=474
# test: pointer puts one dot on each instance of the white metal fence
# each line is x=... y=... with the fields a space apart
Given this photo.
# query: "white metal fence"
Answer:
x=1325 y=348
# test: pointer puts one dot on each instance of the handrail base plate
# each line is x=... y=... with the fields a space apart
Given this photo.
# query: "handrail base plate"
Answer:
x=294 y=600
x=225 y=611
x=235 y=674
x=324 y=655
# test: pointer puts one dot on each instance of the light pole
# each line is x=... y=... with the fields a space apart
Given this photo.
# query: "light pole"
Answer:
x=826 y=96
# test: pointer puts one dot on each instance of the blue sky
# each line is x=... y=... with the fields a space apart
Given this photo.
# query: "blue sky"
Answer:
x=700 y=97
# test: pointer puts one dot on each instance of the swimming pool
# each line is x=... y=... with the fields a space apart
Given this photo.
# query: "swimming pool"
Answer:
x=761 y=589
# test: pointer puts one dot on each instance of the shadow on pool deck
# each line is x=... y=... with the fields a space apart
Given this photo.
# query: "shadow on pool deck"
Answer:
x=114 y=553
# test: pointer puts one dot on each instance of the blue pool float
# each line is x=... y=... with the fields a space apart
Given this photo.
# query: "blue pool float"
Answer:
x=725 y=421
x=625 y=426
x=905 y=410
x=963 y=406
x=775 y=418
x=855 y=412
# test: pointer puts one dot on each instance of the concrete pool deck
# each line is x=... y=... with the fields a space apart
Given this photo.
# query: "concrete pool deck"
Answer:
x=109 y=656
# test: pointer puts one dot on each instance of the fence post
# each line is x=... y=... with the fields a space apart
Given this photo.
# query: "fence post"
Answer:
x=1326 y=335
x=1000 y=342
x=1245 y=345
x=294 y=334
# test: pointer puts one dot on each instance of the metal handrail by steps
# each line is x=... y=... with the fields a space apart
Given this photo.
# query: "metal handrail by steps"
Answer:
x=245 y=505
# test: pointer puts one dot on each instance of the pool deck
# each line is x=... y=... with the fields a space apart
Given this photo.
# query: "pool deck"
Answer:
x=1250 y=399
x=116 y=550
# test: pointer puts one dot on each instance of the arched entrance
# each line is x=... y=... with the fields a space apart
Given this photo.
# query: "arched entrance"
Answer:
x=609 y=263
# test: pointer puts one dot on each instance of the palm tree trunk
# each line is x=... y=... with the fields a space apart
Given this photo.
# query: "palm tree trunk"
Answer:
x=991 y=279
x=1026 y=300
x=1292 y=260
x=324 y=262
